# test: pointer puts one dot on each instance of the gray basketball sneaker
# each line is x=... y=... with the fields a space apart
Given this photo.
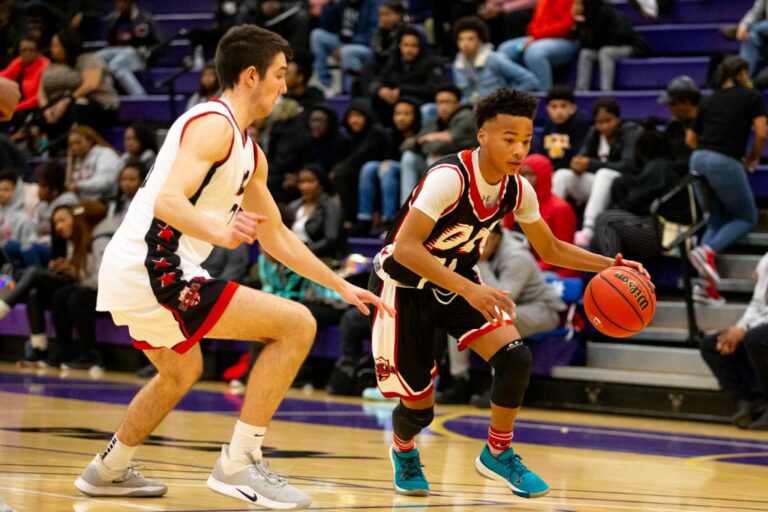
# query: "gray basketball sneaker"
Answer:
x=256 y=484
x=130 y=483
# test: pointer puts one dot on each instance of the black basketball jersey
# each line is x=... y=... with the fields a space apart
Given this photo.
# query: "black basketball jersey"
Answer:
x=462 y=229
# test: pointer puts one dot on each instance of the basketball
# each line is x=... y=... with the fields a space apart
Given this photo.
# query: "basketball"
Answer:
x=619 y=302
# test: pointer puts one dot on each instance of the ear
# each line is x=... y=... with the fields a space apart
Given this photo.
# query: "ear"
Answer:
x=481 y=136
x=251 y=76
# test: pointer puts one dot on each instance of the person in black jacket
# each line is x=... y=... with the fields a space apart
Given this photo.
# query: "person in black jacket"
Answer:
x=317 y=215
x=327 y=144
x=608 y=152
x=296 y=77
x=369 y=142
x=606 y=35
x=410 y=71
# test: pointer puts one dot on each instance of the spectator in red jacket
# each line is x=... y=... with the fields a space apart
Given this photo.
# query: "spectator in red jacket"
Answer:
x=550 y=40
x=556 y=211
x=26 y=69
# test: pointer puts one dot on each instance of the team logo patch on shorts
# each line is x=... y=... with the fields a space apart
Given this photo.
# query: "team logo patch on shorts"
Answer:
x=383 y=369
x=189 y=296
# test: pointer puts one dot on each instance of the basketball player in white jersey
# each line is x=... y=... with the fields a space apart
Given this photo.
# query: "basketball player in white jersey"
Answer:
x=208 y=187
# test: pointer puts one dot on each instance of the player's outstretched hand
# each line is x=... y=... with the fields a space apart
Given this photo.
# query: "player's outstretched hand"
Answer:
x=491 y=302
x=358 y=297
x=635 y=265
x=242 y=229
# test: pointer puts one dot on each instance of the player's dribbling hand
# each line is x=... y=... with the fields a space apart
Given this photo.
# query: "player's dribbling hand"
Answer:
x=491 y=303
x=621 y=262
x=358 y=297
x=243 y=228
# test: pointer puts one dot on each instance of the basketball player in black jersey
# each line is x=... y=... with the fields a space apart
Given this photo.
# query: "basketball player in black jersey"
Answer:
x=426 y=271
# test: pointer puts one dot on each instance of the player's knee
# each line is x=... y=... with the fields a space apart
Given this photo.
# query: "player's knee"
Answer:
x=409 y=422
x=512 y=372
x=305 y=327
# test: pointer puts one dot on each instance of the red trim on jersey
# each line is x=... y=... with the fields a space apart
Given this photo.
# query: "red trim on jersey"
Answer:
x=473 y=335
x=242 y=133
x=476 y=199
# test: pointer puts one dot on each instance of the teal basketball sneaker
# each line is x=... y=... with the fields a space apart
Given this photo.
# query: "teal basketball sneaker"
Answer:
x=509 y=468
x=409 y=478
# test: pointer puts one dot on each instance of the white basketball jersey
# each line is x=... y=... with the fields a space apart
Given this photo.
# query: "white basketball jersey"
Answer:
x=124 y=282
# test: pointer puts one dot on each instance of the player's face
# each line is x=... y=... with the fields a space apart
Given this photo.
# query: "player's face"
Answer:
x=559 y=111
x=63 y=223
x=404 y=116
x=7 y=188
x=130 y=179
x=606 y=123
x=506 y=140
x=267 y=89
x=468 y=42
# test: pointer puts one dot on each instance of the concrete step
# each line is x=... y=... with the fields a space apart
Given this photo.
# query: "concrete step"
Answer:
x=641 y=378
x=736 y=285
x=737 y=266
x=627 y=356
x=757 y=239
x=661 y=334
x=672 y=314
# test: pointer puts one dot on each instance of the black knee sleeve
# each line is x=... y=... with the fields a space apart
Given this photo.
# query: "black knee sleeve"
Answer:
x=512 y=365
x=408 y=422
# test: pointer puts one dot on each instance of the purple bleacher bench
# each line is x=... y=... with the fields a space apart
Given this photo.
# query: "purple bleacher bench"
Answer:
x=691 y=11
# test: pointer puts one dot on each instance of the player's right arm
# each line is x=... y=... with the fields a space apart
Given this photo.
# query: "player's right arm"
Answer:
x=205 y=141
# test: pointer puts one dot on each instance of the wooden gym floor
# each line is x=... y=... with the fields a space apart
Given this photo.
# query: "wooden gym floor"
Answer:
x=336 y=451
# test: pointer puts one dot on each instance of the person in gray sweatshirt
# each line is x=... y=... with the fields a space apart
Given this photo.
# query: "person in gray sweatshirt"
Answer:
x=507 y=264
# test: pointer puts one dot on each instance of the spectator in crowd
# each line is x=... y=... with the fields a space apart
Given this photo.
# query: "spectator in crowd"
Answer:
x=328 y=145
x=316 y=215
x=354 y=334
x=549 y=41
x=605 y=35
x=719 y=137
x=682 y=98
x=15 y=223
x=93 y=165
x=382 y=178
x=506 y=263
x=26 y=69
x=607 y=153
x=507 y=19
x=140 y=143
x=75 y=88
x=130 y=32
x=751 y=32
x=627 y=227
x=565 y=127
x=478 y=70
x=296 y=77
x=556 y=211
x=452 y=130
x=289 y=18
x=368 y=141
x=739 y=353
x=409 y=71
x=209 y=87
x=129 y=180
x=37 y=286
x=83 y=17
x=346 y=22
x=227 y=14
x=384 y=42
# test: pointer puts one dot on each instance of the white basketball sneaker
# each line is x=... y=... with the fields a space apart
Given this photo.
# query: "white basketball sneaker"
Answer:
x=131 y=483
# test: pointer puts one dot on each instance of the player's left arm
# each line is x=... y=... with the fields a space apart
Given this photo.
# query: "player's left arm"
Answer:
x=280 y=242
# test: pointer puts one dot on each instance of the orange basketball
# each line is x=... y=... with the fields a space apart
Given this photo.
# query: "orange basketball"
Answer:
x=619 y=302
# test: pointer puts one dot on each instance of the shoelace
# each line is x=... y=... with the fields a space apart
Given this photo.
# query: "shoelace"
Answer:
x=132 y=471
x=260 y=469
x=411 y=469
x=516 y=466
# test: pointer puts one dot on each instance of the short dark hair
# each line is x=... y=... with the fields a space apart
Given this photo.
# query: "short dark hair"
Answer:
x=136 y=164
x=451 y=88
x=506 y=101
x=244 y=46
x=303 y=60
x=561 y=92
x=410 y=30
x=729 y=68
x=608 y=104
x=9 y=175
x=73 y=45
x=51 y=174
x=475 y=24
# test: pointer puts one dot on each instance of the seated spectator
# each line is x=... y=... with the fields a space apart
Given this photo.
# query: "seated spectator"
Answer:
x=38 y=286
x=328 y=145
x=93 y=164
x=507 y=264
x=382 y=178
x=385 y=40
x=752 y=31
x=628 y=227
x=565 y=127
x=209 y=87
x=453 y=130
x=369 y=142
x=556 y=211
x=15 y=224
x=75 y=88
x=296 y=77
x=289 y=18
x=607 y=153
x=316 y=215
x=139 y=143
x=345 y=22
x=227 y=14
x=129 y=180
x=506 y=18
x=606 y=35
x=549 y=41
x=409 y=71
x=682 y=98
x=719 y=138
x=26 y=69
x=739 y=353
x=478 y=70
x=130 y=32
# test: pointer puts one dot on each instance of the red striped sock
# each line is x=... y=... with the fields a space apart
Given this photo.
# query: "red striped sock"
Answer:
x=403 y=446
x=498 y=441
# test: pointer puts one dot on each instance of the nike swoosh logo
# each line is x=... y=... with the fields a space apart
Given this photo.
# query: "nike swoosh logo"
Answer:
x=252 y=498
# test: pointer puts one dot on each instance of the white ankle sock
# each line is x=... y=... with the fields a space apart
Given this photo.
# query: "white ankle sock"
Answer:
x=117 y=456
x=4 y=308
x=246 y=438
x=38 y=341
